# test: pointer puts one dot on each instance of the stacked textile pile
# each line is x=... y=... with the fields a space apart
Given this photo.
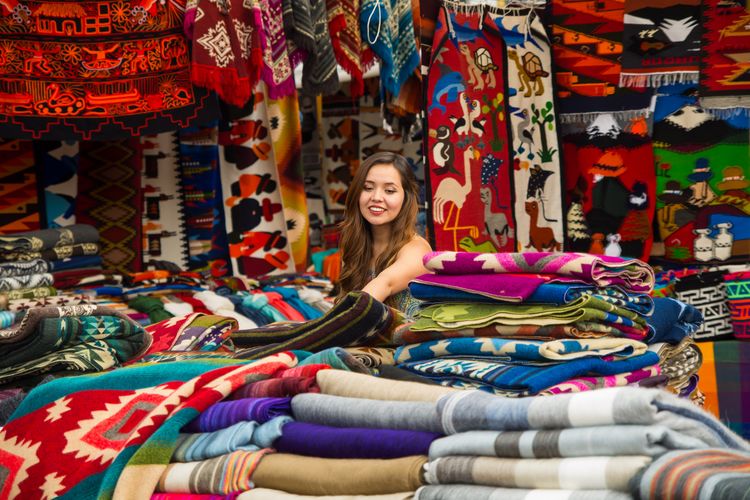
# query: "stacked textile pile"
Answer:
x=227 y=427
x=533 y=323
x=31 y=262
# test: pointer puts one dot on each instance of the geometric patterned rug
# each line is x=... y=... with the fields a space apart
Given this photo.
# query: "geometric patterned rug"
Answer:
x=19 y=201
x=110 y=199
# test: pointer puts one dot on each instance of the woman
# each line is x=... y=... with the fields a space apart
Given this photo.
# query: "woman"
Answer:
x=380 y=250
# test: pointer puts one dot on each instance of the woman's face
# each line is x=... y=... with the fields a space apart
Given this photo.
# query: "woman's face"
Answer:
x=382 y=196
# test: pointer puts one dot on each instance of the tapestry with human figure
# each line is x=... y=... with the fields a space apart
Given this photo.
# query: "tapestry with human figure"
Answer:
x=536 y=154
x=19 y=197
x=255 y=225
x=163 y=214
x=95 y=69
x=468 y=140
x=703 y=180
x=609 y=188
x=340 y=132
x=587 y=47
x=57 y=174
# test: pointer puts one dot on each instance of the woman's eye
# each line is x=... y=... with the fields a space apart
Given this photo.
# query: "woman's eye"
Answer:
x=390 y=191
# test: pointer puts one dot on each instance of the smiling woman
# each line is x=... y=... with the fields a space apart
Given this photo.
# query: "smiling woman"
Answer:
x=380 y=249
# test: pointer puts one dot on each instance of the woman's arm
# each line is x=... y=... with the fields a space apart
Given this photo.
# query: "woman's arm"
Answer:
x=396 y=277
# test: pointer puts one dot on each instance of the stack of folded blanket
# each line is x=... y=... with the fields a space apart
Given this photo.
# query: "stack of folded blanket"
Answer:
x=533 y=323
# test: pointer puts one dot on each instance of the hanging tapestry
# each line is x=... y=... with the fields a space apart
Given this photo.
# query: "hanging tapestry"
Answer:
x=57 y=170
x=98 y=69
x=661 y=42
x=110 y=199
x=254 y=220
x=468 y=138
x=428 y=14
x=286 y=140
x=319 y=73
x=536 y=153
x=703 y=180
x=587 y=46
x=388 y=29
x=19 y=198
x=311 y=166
x=351 y=52
x=163 y=219
x=227 y=54
x=202 y=202
x=278 y=70
x=340 y=131
x=610 y=187
x=725 y=55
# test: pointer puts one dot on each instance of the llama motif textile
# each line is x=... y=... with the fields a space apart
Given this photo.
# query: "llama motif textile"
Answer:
x=20 y=204
x=536 y=153
x=702 y=180
x=587 y=50
x=255 y=224
x=95 y=70
x=163 y=216
x=724 y=51
x=468 y=137
x=661 y=43
x=610 y=189
x=57 y=172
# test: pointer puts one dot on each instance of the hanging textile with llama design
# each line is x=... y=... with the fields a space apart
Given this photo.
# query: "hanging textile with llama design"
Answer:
x=255 y=225
x=57 y=173
x=703 y=180
x=725 y=55
x=163 y=218
x=19 y=198
x=468 y=137
x=587 y=45
x=610 y=189
x=536 y=153
x=95 y=69
x=202 y=202
x=661 y=42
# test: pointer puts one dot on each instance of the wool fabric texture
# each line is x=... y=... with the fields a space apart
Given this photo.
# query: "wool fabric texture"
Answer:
x=276 y=387
x=475 y=492
x=339 y=411
x=151 y=306
x=335 y=357
x=36 y=266
x=269 y=494
x=330 y=476
x=315 y=440
x=44 y=239
x=672 y=321
x=227 y=413
x=204 y=445
x=354 y=385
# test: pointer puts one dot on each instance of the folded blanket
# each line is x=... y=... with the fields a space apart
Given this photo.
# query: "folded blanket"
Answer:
x=672 y=321
x=34 y=241
x=335 y=357
x=17 y=305
x=495 y=287
x=227 y=413
x=454 y=491
x=579 y=473
x=530 y=350
x=584 y=310
x=631 y=275
x=466 y=411
x=20 y=282
x=580 y=384
x=276 y=388
x=609 y=440
x=405 y=335
x=80 y=262
x=269 y=494
x=679 y=362
x=36 y=266
x=353 y=385
x=523 y=378
x=331 y=476
x=714 y=474
x=51 y=254
x=314 y=440
x=225 y=474
x=358 y=319
x=339 y=411
x=372 y=357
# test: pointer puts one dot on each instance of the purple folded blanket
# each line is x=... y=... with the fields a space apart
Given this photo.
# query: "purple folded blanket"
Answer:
x=315 y=440
x=227 y=413
x=631 y=275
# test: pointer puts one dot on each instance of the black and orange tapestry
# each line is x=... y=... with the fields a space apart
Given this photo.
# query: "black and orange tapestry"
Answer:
x=19 y=198
x=95 y=70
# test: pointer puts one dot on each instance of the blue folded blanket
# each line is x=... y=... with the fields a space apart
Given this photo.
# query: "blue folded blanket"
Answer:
x=672 y=321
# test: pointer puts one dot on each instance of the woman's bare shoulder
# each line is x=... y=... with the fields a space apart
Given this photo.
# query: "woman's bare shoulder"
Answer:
x=417 y=244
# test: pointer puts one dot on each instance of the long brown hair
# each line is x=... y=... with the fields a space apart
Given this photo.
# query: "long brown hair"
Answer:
x=356 y=234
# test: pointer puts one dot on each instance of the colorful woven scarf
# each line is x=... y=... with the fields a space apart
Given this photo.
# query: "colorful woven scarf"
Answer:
x=226 y=48
x=352 y=54
x=100 y=70
x=726 y=40
x=278 y=70
x=661 y=43
x=319 y=74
